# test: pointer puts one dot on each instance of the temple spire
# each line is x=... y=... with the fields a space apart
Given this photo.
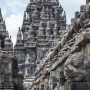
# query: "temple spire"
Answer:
x=87 y=1
x=19 y=35
x=0 y=13
x=1 y=18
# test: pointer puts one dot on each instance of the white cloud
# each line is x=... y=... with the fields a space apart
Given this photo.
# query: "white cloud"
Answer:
x=70 y=2
x=12 y=23
x=13 y=12
x=71 y=6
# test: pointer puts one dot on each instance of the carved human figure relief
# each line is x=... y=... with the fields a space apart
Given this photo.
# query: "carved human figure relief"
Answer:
x=27 y=56
x=42 y=52
x=74 y=66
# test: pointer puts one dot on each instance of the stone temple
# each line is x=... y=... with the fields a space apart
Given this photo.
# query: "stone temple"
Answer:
x=10 y=77
x=48 y=54
x=43 y=23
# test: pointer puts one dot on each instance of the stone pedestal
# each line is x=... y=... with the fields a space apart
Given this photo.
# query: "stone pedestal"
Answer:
x=78 y=86
x=6 y=88
x=61 y=87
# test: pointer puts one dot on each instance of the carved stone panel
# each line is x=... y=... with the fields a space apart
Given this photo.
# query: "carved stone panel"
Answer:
x=77 y=86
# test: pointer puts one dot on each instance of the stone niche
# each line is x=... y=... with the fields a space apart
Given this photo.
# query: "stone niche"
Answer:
x=78 y=66
x=87 y=50
x=77 y=86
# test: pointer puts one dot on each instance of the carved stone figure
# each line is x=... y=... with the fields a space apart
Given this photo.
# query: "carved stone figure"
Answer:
x=86 y=14
x=74 y=66
x=77 y=67
x=76 y=24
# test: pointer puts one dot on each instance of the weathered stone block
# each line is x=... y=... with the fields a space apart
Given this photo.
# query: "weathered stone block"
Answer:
x=78 y=86
x=83 y=38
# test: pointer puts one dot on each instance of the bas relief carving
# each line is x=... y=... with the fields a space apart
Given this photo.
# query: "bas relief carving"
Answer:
x=41 y=53
x=30 y=57
x=77 y=67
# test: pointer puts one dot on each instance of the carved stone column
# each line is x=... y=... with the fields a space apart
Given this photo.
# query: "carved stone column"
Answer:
x=0 y=43
x=41 y=87
x=46 y=85
x=51 y=82
x=87 y=50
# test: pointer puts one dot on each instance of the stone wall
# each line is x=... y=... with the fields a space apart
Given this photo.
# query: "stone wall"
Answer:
x=68 y=66
x=10 y=79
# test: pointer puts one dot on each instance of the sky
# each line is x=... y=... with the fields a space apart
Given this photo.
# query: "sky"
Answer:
x=13 y=10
